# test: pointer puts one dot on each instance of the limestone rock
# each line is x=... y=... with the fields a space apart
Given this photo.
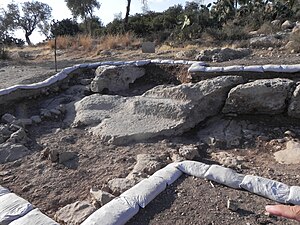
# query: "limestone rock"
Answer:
x=147 y=164
x=101 y=197
x=294 y=107
x=119 y=185
x=19 y=136
x=161 y=111
x=222 y=54
x=148 y=47
x=290 y=155
x=66 y=156
x=10 y=152
x=265 y=42
x=115 y=78
x=36 y=119
x=189 y=152
x=8 y=118
x=75 y=213
x=227 y=159
x=267 y=96
x=186 y=54
x=287 y=25
x=276 y=23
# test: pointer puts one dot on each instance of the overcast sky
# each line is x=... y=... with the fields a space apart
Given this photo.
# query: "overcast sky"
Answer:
x=108 y=9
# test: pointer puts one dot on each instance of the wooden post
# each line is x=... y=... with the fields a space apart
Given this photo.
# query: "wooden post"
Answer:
x=55 y=59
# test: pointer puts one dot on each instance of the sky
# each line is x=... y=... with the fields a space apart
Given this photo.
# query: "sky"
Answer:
x=107 y=12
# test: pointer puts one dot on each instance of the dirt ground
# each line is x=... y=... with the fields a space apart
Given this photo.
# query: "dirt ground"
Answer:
x=50 y=186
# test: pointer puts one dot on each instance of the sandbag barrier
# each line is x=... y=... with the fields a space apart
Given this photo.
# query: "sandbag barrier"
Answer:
x=15 y=210
x=201 y=72
x=123 y=208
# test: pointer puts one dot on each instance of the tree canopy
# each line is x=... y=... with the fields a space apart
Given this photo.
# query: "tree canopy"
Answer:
x=31 y=16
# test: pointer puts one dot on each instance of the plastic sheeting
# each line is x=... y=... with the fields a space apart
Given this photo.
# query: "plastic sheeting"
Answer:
x=34 y=217
x=224 y=176
x=3 y=191
x=169 y=173
x=116 y=212
x=146 y=190
x=193 y=168
x=12 y=207
x=271 y=189
x=294 y=196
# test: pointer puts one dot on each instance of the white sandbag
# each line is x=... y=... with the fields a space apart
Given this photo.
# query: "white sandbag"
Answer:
x=227 y=69
x=195 y=68
x=84 y=65
x=291 y=68
x=142 y=62
x=34 y=217
x=224 y=176
x=145 y=191
x=294 y=196
x=12 y=207
x=156 y=61
x=271 y=189
x=273 y=68
x=120 y=63
x=3 y=191
x=214 y=69
x=169 y=173
x=117 y=212
x=69 y=70
x=180 y=62
x=94 y=65
x=167 y=61
x=258 y=69
x=193 y=62
x=193 y=168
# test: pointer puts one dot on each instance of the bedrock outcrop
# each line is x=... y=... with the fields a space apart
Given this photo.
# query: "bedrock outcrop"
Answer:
x=161 y=111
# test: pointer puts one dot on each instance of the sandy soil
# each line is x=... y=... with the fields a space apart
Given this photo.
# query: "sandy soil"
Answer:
x=50 y=186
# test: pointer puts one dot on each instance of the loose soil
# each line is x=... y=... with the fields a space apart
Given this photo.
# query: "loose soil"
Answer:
x=50 y=186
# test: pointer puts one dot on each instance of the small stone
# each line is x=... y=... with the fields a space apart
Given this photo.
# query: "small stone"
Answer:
x=36 y=119
x=189 y=152
x=101 y=197
x=8 y=118
x=53 y=155
x=232 y=205
x=74 y=213
x=45 y=113
x=289 y=133
x=26 y=188
x=119 y=185
x=55 y=112
x=45 y=153
x=66 y=156
x=19 y=136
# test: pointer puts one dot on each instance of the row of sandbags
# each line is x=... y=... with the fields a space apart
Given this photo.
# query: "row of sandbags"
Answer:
x=124 y=207
x=199 y=67
x=15 y=210
x=65 y=72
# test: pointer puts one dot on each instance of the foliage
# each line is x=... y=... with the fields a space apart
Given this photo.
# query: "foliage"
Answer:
x=64 y=27
x=32 y=15
x=85 y=10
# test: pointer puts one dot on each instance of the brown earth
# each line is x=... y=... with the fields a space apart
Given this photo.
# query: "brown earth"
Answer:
x=50 y=186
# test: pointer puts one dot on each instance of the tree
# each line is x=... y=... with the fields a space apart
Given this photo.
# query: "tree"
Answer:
x=84 y=9
x=144 y=2
x=32 y=15
x=64 y=27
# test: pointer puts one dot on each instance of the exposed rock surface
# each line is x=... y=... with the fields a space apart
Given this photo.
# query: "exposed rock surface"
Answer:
x=119 y=185
x=294 y=107
x=265 y=42
x=287 y=25
x=146 y=164
x=222 y=54
x=188 y=152
x=75 y=213
x=10 y=152
x=101 y=197
x=259 y=97
x=290 y=155
x=115 y=78
x=161 y=111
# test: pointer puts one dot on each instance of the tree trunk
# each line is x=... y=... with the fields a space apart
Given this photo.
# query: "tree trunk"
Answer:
x=127 y=15
x=27 y=39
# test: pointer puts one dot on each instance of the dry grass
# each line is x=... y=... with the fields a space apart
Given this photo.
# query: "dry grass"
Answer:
x=268 y=28
x=118 y=41
x=68 y=42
